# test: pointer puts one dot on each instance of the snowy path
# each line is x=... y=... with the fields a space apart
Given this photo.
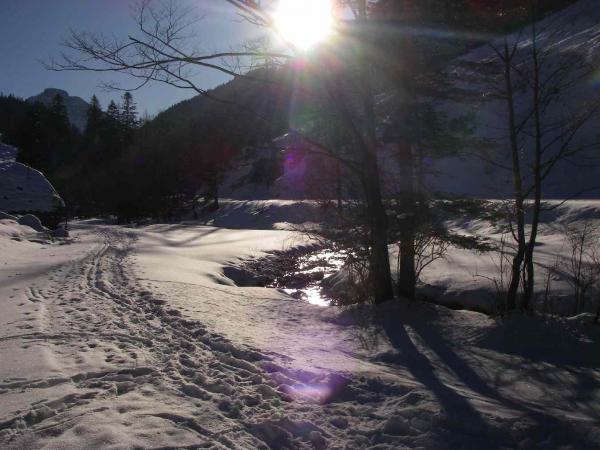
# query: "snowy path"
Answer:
x=95 y=356
x=125 y=370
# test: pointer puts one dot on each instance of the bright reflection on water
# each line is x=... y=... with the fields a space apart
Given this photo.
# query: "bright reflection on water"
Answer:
x=314 y=268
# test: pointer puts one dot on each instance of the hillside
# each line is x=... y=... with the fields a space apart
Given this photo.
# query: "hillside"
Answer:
x=252 y=107
x=569 y=35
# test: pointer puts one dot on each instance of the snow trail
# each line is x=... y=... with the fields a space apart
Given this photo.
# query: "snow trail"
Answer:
x=113 y=342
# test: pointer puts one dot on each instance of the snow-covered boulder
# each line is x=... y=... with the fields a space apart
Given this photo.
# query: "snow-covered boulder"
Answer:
x=23 y=189
x=32 y=221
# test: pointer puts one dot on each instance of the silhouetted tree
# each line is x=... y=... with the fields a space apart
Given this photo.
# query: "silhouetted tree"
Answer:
x=128 y=118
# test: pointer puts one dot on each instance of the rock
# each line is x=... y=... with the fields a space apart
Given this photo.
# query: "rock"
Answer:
x=32 y=221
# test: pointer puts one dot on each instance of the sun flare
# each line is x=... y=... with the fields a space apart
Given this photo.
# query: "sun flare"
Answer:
x=304 y=23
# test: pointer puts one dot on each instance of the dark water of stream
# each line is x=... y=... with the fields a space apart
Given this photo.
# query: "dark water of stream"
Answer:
x=305 y=281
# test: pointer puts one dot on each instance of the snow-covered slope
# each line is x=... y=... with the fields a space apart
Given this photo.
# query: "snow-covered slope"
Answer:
x=289 y=168
x=76 y=107
x=23 y=189
x=573 y=32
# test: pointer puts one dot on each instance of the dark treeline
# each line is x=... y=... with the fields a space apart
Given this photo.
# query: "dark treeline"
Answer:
x=79 y=163
x=122 y=166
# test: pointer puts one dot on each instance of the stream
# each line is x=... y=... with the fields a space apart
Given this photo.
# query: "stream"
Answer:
x=304 y=281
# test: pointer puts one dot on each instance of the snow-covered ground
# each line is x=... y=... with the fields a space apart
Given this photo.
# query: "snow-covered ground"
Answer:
x=135 y=338
x=468 y=278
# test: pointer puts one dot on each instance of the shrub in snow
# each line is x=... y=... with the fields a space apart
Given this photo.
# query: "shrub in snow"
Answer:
x=60 y=232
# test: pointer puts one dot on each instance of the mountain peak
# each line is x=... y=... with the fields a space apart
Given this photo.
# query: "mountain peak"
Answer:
x=76 y=106
x=54 y=92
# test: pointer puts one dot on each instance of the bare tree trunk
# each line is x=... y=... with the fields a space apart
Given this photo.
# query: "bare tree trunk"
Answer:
x=407 y=273
x=537 y=174
x=579 y=276
x=511 y=297
x=379 y=255
x=338 y=185
x=381 y=275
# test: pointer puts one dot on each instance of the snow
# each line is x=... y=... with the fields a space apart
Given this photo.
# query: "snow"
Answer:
x=23 y=189
x=465 y=277
x=134 y=337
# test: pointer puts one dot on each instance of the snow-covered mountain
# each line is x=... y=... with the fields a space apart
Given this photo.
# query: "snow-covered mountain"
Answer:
x=572 y=34
x=23 y=189
x=76 y=107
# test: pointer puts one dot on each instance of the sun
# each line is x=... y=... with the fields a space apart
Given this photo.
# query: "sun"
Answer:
x=304 y=23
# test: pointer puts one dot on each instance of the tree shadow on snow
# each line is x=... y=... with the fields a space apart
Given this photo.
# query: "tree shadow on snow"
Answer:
x=453 y=403
x=456 y=401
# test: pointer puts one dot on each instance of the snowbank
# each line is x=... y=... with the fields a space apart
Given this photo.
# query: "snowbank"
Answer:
x=467 y=278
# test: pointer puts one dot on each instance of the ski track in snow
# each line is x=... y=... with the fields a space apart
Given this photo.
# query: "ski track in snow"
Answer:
x=94 y=306
x=129 y=371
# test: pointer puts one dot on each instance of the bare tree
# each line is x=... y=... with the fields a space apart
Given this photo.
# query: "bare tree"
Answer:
x=584 y=260
x=533 y=78
x=501 y=280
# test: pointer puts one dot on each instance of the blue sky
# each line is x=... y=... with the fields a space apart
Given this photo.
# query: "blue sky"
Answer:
x=32 y=30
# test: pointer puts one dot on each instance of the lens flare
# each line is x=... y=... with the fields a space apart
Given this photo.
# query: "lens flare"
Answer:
x=304 y=23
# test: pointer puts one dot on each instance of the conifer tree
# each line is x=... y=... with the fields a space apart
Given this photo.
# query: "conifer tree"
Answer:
x=129 y=112
x=128 y=119
x=94 y=121
x=112 y=133
x=59 y=134
x=112 y=112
